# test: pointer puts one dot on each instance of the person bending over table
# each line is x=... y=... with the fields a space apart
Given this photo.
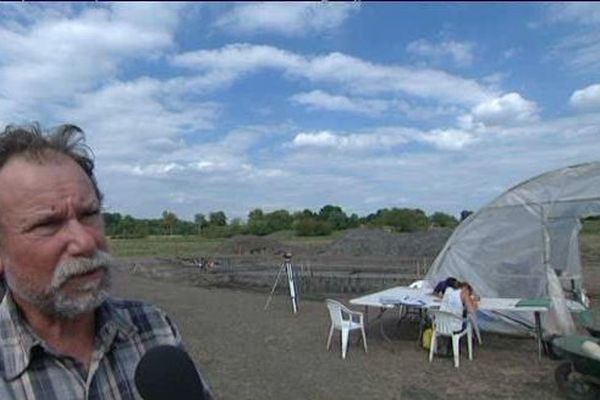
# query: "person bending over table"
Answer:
x=441 y=287
x=459 y=299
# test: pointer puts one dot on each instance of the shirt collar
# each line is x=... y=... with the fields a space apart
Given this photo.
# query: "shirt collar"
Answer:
x=110 y=319
x=17 y=339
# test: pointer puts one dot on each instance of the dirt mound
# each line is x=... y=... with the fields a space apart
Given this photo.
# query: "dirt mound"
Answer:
x=377 y=242
x=247 y=245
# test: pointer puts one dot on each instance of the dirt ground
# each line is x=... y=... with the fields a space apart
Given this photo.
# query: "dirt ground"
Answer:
x=248 y=353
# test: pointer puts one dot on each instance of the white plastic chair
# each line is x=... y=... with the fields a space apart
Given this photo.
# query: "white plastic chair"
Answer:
x=448 y=324
x=345 y=320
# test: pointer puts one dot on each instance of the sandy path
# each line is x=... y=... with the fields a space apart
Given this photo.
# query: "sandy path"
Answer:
x=247 y=353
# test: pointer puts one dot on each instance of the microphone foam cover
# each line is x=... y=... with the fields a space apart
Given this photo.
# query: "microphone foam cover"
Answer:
x=168 y=373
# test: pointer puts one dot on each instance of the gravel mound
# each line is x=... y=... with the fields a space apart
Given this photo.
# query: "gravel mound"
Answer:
x=362 y=242
x=378 y=242
x=248 y=245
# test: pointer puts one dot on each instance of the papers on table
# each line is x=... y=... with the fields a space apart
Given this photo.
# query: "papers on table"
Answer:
x=407 y=300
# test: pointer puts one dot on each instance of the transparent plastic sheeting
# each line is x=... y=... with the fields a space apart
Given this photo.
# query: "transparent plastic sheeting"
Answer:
x=525 y=244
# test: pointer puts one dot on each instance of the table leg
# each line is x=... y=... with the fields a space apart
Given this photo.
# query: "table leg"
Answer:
x=382 y=328
x=538 y=332
x=422 y=324
x=378 y=318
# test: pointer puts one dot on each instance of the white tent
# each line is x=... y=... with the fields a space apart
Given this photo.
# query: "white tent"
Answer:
x=525 y=243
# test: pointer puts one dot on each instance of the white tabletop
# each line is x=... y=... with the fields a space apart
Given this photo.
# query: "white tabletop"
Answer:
x=392 y=297
x=401 y=295
x=507 y=304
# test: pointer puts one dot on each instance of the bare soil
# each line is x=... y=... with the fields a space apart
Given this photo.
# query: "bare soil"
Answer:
x=248 y=353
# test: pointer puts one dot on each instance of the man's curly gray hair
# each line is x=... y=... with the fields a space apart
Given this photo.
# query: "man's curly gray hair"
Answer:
x=31 y=142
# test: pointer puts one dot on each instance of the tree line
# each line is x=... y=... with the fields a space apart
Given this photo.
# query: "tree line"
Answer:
x=304 y=223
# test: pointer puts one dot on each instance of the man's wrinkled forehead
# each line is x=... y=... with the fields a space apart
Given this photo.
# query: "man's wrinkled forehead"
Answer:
x=39 y=157
x=29 y=173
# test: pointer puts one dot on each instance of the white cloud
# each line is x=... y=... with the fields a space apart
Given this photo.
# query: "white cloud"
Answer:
x=586 y=99
x=15 y=15
x=223 y=66
x=356 y=142
x=137 y=121
x=224 y=158
x=448 y=139
x=151 y=16
x=361 y=76
x=425 y=112
x=461 y=53
x=563 y=128
x=324 y=101
x=156 y=169
x=291 y=19
x=384 y=138
x=58 y=55
x=320 y=100
x=587 y=13
x=581 y=49
x=508 y=109
x=511 y=53
x=64 y=65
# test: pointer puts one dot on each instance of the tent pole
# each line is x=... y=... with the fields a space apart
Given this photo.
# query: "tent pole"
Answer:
x=546 y=244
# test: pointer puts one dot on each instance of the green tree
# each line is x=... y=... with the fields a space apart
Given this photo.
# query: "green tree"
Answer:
x=169 y=221
x=353 y=221
x=401 y=219
x=217 y=218
x=200 y=221
x=255 y=215
x=312 y=227
x=236 y=227
x=126 y=226
x=279 y=220
x=443 y=220
x=140 y=229
x=256 y=223
x=111 y=223
x=336 y=217
x=261 y=224
x=306 y=213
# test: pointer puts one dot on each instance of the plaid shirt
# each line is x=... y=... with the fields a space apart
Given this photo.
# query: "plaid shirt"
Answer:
x=125 y=331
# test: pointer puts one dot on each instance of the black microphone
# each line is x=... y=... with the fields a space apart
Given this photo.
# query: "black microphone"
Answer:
x=167 y=373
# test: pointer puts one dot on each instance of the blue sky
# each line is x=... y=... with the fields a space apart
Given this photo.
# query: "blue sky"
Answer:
x=198 y=107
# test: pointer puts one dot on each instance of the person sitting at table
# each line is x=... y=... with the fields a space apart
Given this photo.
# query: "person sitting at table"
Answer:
x=470 y=299
x=440 y=288
x=461 y=301
x=459 y=298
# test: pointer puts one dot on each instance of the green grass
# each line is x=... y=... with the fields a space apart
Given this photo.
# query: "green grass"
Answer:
x=193 y=246
x=289 y=237
x=591 y=227
x=165 y=246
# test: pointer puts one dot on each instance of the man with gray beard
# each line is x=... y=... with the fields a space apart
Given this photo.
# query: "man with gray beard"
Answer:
x=61 y=335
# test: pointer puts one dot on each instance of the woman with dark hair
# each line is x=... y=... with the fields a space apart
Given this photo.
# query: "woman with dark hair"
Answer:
x=441 y=287
x=461 y=301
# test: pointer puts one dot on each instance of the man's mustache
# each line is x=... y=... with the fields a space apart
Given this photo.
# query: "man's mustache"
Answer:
x=81 y=265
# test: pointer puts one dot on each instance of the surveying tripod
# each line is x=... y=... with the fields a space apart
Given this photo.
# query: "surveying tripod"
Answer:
x=287 y=265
